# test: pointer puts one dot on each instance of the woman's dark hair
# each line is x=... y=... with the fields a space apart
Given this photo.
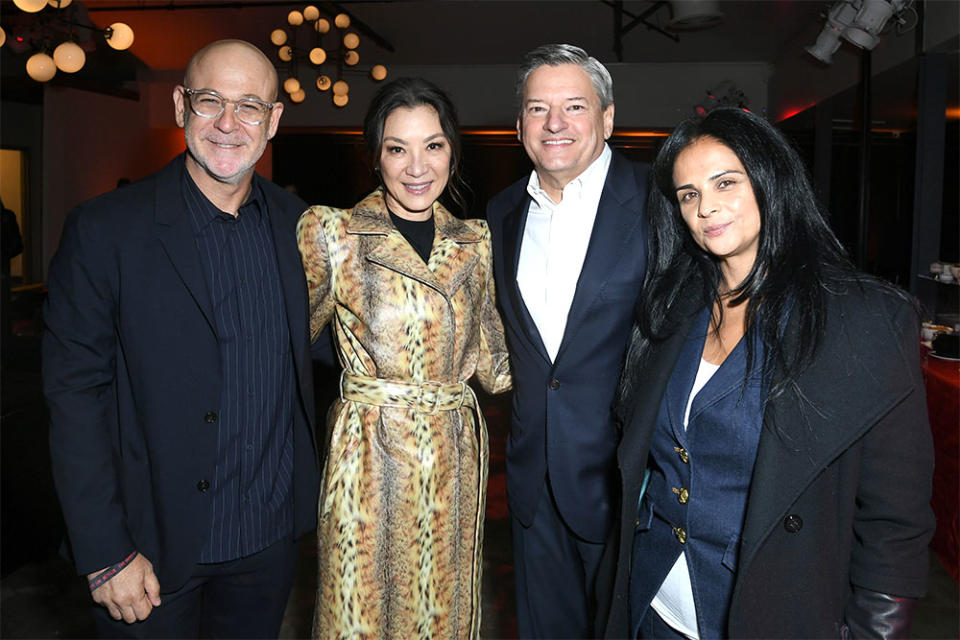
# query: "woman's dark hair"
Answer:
x=410 y=93
x=798 y=256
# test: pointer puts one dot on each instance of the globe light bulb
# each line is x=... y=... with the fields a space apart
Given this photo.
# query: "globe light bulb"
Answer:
x=318 y=56
x=310 y=13
x=41 y=67
x=323 y=83
x=278 y=36
x=351 y=58
x=59 y=4
x=69 y=57
x=341 y=100
x=120 y=36
x=351 y=40
x=291 y=85
x=340 y=88
x=342 y=20
x=295 y=18
x=285 y=53
x=322 y=25
x=31 y=6
x=378 y=72
x=298 y=96
x=3 y=36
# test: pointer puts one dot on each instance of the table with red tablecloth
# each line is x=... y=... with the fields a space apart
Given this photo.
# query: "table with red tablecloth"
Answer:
x=943 y=403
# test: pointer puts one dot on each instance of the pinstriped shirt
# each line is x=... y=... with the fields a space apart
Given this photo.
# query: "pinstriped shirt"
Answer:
x=250 y=489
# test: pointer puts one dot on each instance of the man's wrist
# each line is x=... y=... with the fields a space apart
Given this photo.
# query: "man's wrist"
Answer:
x=110 y=572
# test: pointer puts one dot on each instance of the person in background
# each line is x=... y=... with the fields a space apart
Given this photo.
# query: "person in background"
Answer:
x=776 y=458
x=569 y=261
x=177 y=371
x=12 y=246
x=408 y=289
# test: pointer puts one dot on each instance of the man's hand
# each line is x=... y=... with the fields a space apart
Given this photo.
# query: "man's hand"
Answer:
x=130 y=595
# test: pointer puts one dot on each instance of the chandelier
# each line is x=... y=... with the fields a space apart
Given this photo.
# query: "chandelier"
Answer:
x=60 y=24
x=331 y=62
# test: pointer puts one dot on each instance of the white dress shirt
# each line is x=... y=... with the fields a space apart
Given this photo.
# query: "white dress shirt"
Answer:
x=554 y=244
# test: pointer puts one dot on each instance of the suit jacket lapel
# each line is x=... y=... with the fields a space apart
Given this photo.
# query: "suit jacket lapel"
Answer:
x=616 y=231
x=660 y=363
x=513 y=226
x=177 y=236
x=681 y=378
x=292 y=279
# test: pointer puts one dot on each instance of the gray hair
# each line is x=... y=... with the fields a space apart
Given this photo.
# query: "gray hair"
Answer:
x=557 y=54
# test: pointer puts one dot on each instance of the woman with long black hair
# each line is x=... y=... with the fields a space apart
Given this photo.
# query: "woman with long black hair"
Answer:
x=776 y=457
x=408 y=290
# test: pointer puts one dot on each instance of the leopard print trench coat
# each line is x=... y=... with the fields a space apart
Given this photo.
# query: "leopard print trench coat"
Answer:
x=401 y=506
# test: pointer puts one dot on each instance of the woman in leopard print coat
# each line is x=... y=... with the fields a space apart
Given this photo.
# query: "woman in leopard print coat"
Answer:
x=402 y=501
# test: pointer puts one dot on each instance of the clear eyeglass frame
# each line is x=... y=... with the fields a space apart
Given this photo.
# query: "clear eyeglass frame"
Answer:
x=247 y=110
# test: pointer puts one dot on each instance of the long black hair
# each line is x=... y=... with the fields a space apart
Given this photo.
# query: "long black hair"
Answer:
x=798 y=257
x=410 y=93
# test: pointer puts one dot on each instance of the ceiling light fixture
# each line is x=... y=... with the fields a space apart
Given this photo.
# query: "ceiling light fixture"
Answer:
x=690 y=15
x=341 y=54
x=859 y=22
x=61 y=24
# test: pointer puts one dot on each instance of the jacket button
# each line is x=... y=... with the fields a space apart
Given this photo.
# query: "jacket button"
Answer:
x=202 y=486
x=682 y=495
x=210 y=417
x=793 y=523
x=684 y=456
x=680 y=534
x=554 y=384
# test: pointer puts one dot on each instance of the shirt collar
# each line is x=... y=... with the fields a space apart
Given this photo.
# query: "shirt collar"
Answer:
x=205 y=212
x=584 y=185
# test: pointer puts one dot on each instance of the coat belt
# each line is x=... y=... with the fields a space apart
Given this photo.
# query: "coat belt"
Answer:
x=426 y=397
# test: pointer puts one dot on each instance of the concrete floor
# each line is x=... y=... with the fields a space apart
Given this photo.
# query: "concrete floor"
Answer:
x=42 y=598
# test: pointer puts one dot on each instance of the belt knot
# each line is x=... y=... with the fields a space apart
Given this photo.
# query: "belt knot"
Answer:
x=427 y=397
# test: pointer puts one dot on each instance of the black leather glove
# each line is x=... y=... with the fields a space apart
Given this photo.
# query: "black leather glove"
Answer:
x=870 y=614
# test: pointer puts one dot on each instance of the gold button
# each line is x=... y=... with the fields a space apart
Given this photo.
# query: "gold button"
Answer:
x=684 y=456
x=682 y=495
x=680 y=534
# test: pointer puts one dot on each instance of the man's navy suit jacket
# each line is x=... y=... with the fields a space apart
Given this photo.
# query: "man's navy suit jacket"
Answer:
x=562 y=423
x=132 y=376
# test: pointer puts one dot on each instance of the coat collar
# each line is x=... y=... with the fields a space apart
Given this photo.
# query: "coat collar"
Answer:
x=451 y=259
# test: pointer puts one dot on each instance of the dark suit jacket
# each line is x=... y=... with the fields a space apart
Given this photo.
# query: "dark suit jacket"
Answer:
x=132 y=376
x=562 y=422
x=840 y=493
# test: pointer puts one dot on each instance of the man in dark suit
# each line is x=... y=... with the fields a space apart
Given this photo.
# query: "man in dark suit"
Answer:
x=569 y=262
x=177 y=372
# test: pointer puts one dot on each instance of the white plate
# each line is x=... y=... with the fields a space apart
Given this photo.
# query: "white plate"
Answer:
x=940 y=357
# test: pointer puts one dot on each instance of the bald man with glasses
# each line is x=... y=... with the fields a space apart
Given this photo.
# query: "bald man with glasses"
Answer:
x=177 y=371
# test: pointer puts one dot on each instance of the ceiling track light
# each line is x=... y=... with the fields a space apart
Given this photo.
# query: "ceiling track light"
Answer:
x=859 y=22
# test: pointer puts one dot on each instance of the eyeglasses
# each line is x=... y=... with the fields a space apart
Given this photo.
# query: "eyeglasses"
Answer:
x=210 y=104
